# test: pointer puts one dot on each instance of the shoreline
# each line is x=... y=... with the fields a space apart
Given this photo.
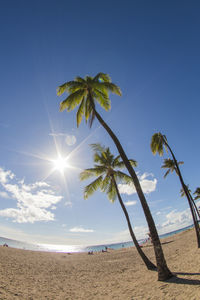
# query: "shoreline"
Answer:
x=118 y=274
x=83 y=249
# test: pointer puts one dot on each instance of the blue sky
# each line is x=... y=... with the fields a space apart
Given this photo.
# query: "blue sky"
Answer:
x=151 y=50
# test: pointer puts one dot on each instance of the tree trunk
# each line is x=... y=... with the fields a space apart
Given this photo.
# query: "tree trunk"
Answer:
x=163 y=271
x=194 y=204
x=148 y=263
x=188 y=195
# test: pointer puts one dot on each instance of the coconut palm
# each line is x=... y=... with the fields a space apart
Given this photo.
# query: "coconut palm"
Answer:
x=197 y=193
x=189 y=192
x=158 y=144
x=107 y=170
x=182 y=191
x=87 y=92
x=170 y=165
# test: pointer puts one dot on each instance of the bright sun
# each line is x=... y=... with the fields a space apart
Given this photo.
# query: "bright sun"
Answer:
x=60 y=164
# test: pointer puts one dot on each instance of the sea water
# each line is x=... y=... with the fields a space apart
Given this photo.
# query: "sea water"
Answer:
x=77 y=248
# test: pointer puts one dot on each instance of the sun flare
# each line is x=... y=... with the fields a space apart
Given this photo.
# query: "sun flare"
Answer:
x=60 y=164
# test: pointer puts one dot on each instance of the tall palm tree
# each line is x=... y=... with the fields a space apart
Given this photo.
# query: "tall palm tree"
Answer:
x=158 y=144
x=86 y=92
x=107 y=170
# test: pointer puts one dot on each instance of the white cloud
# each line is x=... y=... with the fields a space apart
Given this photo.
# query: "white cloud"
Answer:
x=80 y=229
x=5 y=175
x=148 y=185
x=124 y=236
x=130 y=203
x=175 y=220
x=68 y=203
x=33 y=200
x=4 y=195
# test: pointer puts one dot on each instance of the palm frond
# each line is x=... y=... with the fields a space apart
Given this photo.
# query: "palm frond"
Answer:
x=111 y=192
x=91 y=172
x=92 y=187
x=123 y=177
x=111 y=87
x=88 y=109
x=170 y=164
x=165 y=175
x=103 y=101
x=102 y=76
x=91 y=118
x=70 y=87
x=72 y=100
x=105 y=184
x=63 y=88
x=157 y=144
x=97 y=147
x=79 y=79
x=80 y=112
x=197 y=193
x=121 y=164
x=88 y=173
x=182 y=192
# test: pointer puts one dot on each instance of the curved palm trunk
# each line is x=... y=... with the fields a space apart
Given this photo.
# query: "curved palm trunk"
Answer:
x=148 y=263
x=163 y=272
x=188 y=195
x=194 y=204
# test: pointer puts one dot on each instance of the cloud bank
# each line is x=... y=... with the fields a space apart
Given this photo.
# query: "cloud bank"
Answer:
x=80 y=230
x=148 y=185
x=33 y=201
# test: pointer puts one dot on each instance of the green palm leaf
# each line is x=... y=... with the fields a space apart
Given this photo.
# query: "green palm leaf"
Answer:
x=102 y=76
x=123 y=177
x=106 y=166
x=92 y=187
x=197 y=193
x=91 y=90
x=72 y=100
x=80 y=112
x=111 y=192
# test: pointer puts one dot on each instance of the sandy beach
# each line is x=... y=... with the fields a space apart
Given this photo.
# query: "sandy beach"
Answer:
x=117 y=274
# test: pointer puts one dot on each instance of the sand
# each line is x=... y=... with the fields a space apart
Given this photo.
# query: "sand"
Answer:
x=117 y=274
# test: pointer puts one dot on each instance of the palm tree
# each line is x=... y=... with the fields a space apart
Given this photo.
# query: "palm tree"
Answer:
x=158 y=144
x=170 y=165
x=197 y=193
x=182 y=191
x=86 y=92
x=193 y=202
x=107 y=170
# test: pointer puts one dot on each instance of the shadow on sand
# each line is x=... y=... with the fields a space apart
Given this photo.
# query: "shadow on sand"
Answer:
x=179 y=280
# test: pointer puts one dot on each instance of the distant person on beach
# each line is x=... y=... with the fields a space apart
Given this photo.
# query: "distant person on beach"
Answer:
x=149 y=237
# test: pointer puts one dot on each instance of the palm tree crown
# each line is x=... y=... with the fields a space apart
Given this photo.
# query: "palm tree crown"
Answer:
x=170 y=165
x=183 y=192
x=106 y=166
x=158 y=143
x=197 y=193
x=84 y=92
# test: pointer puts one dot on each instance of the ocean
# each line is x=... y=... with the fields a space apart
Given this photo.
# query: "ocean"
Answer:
x=77 y=248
